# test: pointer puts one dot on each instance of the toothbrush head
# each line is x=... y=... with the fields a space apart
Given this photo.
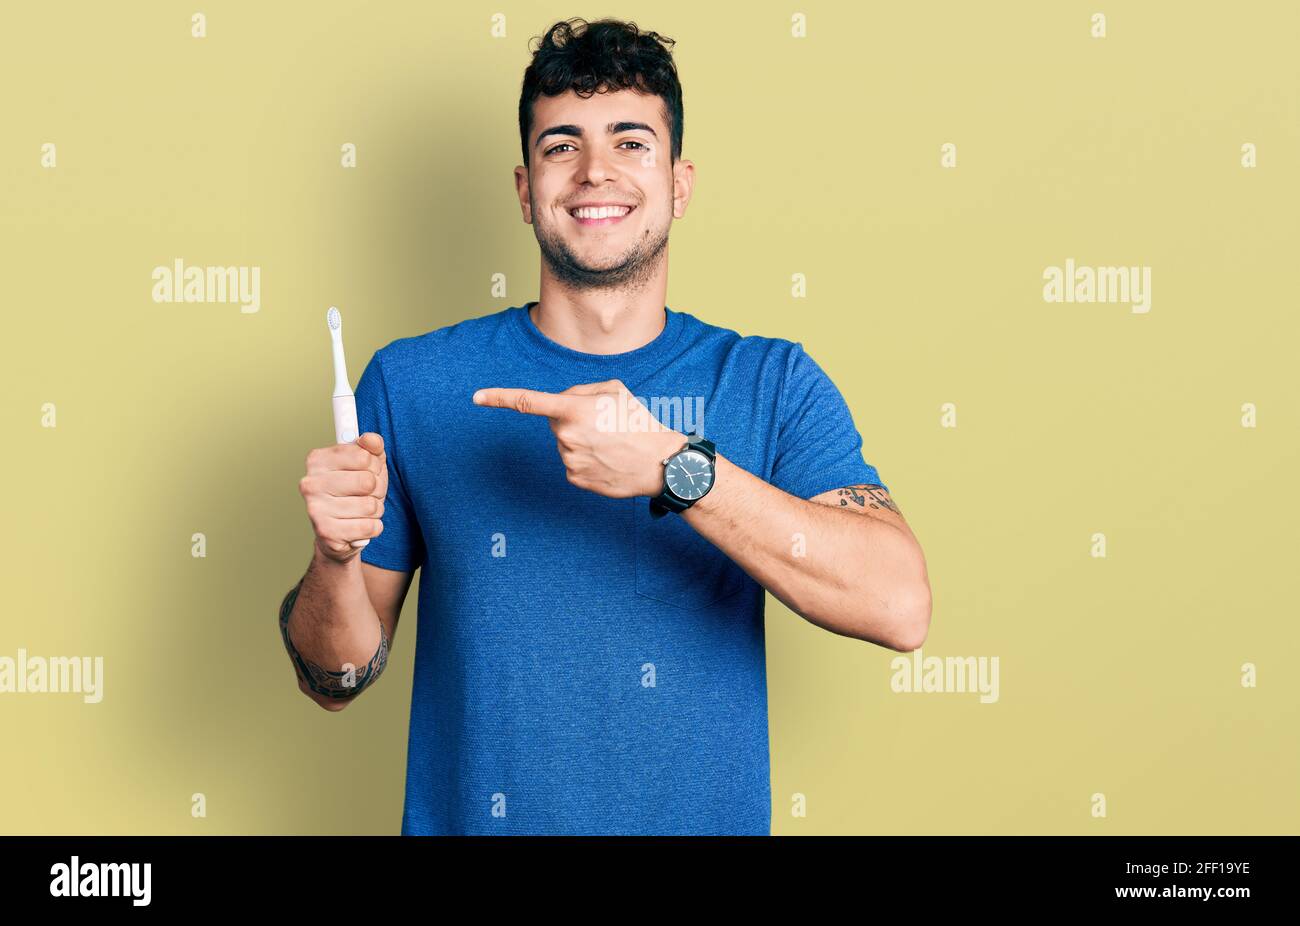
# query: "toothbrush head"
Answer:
x=334 y=319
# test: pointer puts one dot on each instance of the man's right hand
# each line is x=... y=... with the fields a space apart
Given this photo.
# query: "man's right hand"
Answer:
x=344 y=489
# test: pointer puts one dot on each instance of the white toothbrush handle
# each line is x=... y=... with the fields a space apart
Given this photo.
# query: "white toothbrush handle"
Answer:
x=345 y=419
x=345 y=430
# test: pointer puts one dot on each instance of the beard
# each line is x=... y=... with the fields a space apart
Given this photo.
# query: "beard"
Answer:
x=629 y=271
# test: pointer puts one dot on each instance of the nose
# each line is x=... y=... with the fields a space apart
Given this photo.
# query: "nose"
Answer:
x=592 y=166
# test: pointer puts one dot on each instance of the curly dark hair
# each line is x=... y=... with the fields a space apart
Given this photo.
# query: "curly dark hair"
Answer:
x=600 y=56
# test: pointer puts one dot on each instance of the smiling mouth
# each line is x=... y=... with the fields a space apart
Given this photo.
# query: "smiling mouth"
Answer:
x=601 y=215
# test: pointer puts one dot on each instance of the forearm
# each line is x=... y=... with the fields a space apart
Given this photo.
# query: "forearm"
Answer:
x=848 y=573
x=335 y=640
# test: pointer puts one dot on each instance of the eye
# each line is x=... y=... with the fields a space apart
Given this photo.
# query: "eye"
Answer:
x=558 y=147
x=637 y=143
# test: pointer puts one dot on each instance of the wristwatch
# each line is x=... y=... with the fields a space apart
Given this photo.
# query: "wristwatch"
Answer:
x=688 y=476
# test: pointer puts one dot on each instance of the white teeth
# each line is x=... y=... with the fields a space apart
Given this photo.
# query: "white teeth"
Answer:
x=603 y=212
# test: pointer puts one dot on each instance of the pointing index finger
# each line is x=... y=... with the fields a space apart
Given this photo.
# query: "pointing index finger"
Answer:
x=527 y=401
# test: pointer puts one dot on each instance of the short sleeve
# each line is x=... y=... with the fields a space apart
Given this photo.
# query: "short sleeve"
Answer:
x=818 y=448
x=400 y=546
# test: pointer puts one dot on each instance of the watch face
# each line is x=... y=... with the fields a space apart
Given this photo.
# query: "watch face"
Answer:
x=689 y=475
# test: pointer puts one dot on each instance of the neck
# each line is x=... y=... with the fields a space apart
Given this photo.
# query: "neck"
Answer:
x=595 y=321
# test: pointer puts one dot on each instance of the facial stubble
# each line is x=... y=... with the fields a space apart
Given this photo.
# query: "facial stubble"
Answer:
x=630 y=272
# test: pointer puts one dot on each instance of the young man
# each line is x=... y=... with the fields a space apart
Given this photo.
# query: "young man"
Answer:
x=590 y=654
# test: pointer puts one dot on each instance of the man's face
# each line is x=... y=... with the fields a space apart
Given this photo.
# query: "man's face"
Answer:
x=610 y=150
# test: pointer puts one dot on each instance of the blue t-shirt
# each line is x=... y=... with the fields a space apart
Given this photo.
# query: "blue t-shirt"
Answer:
x=581 y=667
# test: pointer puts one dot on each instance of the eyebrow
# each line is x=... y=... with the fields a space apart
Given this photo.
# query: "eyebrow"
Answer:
x=613 y=128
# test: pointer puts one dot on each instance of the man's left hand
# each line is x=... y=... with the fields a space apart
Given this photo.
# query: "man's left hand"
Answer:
x=609 y=442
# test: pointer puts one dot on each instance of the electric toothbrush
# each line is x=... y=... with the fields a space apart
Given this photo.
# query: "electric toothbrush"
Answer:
x=345 y=405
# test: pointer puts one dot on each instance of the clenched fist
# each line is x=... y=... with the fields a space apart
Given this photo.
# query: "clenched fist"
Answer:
x=344 y=489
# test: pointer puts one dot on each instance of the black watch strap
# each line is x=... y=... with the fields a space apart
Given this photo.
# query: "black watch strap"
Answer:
x=665 y=503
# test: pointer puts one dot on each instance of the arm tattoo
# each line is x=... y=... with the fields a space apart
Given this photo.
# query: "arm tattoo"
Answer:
x=873 y=496
x=326 y=682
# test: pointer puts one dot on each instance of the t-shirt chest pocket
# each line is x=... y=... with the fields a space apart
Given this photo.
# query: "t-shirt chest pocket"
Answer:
x=678 y=566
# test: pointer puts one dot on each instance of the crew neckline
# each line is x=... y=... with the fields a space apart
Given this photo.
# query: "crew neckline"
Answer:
x=556 y=354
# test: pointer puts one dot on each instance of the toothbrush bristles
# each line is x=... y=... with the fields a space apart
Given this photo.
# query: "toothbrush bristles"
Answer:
x=334 y=318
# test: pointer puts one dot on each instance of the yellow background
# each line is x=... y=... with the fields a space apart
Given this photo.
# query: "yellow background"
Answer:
x=818 y=156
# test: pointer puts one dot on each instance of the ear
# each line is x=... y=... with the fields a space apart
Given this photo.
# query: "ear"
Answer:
x=521 y=188
x=683 y=186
